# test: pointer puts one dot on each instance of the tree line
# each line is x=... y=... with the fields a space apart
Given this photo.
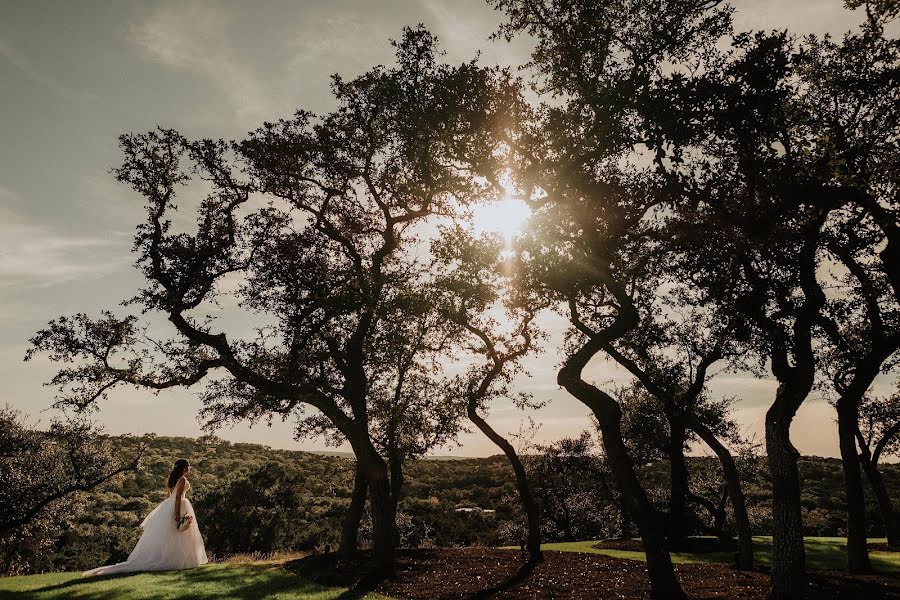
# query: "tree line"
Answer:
x=703 y=199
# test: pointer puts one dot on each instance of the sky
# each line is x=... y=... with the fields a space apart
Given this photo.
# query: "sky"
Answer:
x=75 y=75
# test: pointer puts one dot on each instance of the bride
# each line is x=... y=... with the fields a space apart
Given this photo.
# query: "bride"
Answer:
x=171 y=538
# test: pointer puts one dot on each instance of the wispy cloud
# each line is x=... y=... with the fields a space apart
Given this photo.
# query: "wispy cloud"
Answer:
x=347 y=44
x=333 y=33
x=463 y=31
x=40 y=256
x=194 y=36
x=26 y=67
x=799 y=16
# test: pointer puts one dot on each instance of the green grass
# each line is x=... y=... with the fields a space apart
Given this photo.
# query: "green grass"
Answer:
x=821 y=553
x=256 y=581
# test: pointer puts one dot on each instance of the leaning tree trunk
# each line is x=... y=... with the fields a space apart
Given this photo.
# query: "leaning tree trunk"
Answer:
x=664 y=584
x=353 y=517
x=532 y=513
x=735 y=492
x=719 y=527
x=848 y=422
x=678 y=486
x=788 y=579
x=888 y=514
x=886 y=507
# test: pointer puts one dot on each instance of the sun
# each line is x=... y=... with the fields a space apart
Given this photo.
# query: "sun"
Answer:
x=506 y=217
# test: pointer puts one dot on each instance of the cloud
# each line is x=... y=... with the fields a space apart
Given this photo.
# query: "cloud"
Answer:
x=27 y=68
x=194 y=37
x=463 y=30
x=332 y=34
x=799 y=16
x=338 y=43
x=39 y=256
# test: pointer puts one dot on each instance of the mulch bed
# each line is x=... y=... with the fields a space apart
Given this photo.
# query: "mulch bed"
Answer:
x=882 y=547
x=471 y=573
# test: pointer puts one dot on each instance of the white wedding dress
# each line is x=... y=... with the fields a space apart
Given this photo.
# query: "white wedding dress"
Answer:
x=162 y=547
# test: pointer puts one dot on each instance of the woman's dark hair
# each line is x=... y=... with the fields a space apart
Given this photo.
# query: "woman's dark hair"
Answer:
x=177 y=471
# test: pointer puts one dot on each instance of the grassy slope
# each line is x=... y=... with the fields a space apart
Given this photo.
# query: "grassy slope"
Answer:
x=220 y=582
x=821 y=553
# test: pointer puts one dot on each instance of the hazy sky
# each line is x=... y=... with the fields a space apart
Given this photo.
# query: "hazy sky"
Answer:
x=76 y=74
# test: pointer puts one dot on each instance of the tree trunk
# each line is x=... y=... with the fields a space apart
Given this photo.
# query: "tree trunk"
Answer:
x=885 y=506
x=664 y=585
x=532 y=513
x=719 y=527
x=566 y=526
x=397 y=481
x=848 y=422
x=735 y=492
x=678 y=484
x=788 y=579
x=353 y=517
x=625 y=527
x=383 y=522
x=663 y=582
x=625 y=524
x=890 y=255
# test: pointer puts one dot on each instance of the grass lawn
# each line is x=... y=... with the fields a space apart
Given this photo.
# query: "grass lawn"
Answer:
x=255 y=581
x=821 y=553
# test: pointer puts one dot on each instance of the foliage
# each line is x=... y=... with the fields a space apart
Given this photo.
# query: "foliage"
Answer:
x=646 y=429
x=880 y=425
x=575 y=491
x=43 y=476
x=258 y=513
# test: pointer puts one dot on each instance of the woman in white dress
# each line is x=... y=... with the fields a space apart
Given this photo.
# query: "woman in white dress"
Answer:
x=171 y=538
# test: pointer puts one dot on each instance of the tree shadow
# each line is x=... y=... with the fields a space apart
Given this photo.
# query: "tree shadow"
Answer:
x=359 y=577
x=242 y=582
x=331 y=569
x=70 y=583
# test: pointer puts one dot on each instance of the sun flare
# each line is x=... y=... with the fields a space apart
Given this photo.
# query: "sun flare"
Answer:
x=506 y=217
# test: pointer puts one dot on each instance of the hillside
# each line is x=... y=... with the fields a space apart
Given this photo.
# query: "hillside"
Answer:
x=253 y=498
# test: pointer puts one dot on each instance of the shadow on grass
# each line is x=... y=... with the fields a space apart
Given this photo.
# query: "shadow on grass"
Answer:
x=356 y=574
x=244 y=582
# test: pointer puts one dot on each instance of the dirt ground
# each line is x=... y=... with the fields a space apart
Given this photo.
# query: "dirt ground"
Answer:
x=471 y=573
